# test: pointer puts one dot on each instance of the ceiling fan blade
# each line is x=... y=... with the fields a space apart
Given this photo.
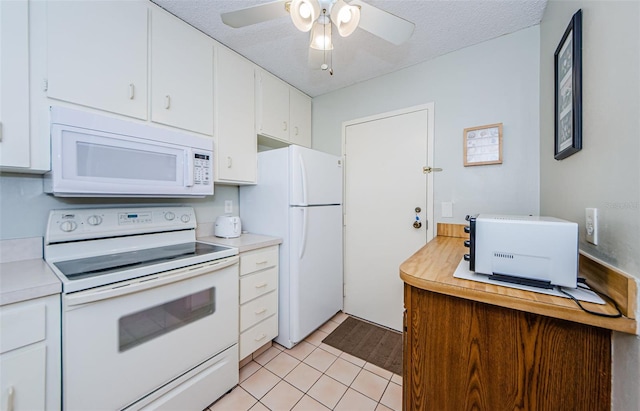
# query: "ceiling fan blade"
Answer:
x=385 y=25
x=255 y=14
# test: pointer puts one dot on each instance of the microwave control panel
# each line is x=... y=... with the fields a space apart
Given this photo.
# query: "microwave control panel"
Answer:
x=202 y=169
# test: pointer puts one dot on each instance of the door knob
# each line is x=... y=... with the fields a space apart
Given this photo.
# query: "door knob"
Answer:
x=417 y=224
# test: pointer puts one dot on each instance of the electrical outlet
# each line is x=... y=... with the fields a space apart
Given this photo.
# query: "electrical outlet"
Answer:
x=591 y=225
x=228 y=206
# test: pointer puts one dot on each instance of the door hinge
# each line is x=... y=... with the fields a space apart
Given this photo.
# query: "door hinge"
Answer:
x=45 y=84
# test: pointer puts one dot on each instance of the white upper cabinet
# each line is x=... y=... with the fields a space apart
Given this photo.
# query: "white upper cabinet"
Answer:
x=272 y=105
x=282 y=112
x=300 y=118
x=236 y=154
x=181 y=74
x=97 y=54
x=14 y=84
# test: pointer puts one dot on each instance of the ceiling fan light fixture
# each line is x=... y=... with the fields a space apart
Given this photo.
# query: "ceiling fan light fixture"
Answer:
x=304 y=13
x=345 y=17
x=321 y=37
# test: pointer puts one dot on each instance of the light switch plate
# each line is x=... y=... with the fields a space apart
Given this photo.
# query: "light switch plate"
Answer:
x=591 y=225
x=228 y=206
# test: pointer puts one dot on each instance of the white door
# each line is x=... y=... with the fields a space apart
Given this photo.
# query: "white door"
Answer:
x=384 y=185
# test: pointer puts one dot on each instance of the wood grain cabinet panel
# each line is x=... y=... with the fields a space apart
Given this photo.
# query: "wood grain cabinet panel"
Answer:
x=466 y=355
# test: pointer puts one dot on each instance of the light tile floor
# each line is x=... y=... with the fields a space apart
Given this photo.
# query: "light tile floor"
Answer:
x=312 y=376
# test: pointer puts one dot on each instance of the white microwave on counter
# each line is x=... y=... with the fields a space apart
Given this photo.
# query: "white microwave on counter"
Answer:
x=94 y=155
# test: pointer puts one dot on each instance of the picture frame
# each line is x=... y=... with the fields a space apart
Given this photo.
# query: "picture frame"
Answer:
x=482 y=145
x=568 y=90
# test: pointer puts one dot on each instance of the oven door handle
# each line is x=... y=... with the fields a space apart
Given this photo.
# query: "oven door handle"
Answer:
x=146 y=282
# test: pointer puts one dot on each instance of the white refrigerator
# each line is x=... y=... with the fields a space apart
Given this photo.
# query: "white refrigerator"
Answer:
x=299 y=198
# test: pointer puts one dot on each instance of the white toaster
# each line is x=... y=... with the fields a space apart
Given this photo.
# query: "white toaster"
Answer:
x=227 y=226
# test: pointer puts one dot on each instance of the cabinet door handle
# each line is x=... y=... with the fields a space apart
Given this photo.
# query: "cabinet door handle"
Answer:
x=284 y=126
x=0 y=131
x=132 y=91
x=10 y=395
x=167 y=102
x=229 y=162
x=261 y=285
x=261 y=337
x=295 y=130
x=261 y=311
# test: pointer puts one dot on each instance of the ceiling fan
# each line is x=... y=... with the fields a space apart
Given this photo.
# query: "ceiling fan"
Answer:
x=319 y=16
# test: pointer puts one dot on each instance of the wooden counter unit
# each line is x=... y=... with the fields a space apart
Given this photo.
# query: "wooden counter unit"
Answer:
x=472 y=345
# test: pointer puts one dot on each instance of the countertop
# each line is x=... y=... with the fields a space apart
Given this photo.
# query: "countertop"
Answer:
x=431 y=268
x=24 y=275
x=246 y=242
x=26 y=280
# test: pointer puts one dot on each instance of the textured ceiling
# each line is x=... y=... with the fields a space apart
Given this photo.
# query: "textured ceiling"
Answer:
x=440 y=27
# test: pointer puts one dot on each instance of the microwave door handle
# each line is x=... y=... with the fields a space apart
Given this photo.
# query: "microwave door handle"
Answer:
x=188 y=172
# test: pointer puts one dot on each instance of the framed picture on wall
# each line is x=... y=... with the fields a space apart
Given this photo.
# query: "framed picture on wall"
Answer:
x=482 y=145
x=568 y=90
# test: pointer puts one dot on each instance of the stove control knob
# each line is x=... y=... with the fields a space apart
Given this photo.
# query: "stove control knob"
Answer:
x=94 y=220
x=169 y=216
x=68 y=226
x=185 y=218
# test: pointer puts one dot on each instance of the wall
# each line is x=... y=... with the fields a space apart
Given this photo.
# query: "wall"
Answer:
x=606 y=173
x=24 y=207
x=492 y=82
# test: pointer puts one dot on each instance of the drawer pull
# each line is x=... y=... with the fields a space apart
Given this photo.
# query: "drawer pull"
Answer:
x=262 y=262
x=261 y=337
x=263 y=310
x=261 y=285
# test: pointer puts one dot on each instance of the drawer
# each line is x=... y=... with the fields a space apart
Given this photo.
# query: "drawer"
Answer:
x=259 y=335
x=257 y=310
x=258 y=284
x=257 y=260
x=22 y=324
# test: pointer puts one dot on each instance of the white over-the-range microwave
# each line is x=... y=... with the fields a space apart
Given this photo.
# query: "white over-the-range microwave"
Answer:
x=95 y=155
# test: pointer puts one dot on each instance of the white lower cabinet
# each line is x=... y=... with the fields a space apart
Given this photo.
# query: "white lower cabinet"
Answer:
x=258 y=298
x=30 y=355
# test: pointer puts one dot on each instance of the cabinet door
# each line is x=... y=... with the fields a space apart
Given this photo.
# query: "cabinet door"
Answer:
x=272 y=96
x=300 y=118
x=181 y=74
x=14 y=84
x=22 y=378
x=234 y=119
x=97 y=54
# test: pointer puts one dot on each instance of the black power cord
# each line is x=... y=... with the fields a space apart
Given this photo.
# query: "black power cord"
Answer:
x=606 y=297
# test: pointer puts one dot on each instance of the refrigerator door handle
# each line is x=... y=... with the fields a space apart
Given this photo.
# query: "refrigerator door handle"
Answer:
x=303 y=243
x=303 y=178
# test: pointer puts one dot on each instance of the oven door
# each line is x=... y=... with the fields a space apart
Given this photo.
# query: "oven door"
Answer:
x=123 y=341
